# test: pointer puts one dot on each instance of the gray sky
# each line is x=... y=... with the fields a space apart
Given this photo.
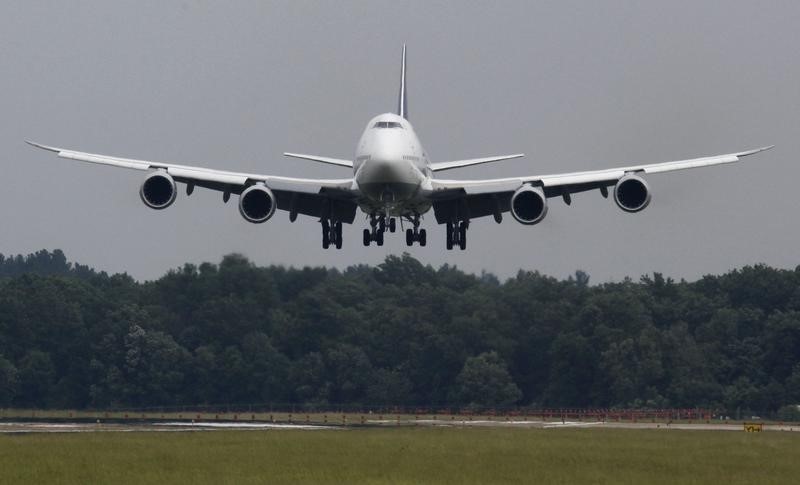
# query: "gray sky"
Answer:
x=574 y=85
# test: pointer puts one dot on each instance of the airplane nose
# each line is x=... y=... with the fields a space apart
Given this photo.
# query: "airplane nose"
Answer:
x=381 y=169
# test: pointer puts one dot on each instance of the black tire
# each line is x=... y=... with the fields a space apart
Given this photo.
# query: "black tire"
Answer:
x=338 y=231
x=449 y=235
x=409 y=237
x=462 y=236
x=367 y=237
x=379 y=238
x=392 y=225
x=326 y=235
x=423 y=237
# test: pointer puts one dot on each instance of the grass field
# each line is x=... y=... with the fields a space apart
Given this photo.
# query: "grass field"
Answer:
x=402 y=455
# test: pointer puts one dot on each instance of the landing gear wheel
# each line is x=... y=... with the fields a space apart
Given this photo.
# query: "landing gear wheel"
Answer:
x=392 y=225
x=409 y=237
x=423 y=237
x=379 y=238
x=367 y=237
x=337 y=228
x=449 y=234
x=326 y=235
x=462 y=236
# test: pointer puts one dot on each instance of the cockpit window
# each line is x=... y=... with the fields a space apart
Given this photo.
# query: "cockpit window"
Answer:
x=387 y=124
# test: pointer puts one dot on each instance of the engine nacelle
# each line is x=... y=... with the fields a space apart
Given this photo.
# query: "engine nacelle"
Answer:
x=158 y=191
x=257 y=204
x=529 y=205
x=632 y=193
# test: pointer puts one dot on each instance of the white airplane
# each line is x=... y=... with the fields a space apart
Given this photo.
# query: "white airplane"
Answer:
x=393 y=178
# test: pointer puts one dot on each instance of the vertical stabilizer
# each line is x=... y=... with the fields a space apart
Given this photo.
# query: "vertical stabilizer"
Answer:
x=402 y=100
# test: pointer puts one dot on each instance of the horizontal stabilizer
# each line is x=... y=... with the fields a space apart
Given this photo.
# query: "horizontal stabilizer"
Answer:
x=437 y=167
x=328 y=160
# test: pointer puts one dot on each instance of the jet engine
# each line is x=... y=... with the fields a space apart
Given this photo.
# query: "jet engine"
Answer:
x=528 y=205
x=632 y=193
x=158 y=191
x=257 y=203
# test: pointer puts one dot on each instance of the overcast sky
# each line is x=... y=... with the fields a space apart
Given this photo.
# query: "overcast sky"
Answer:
x=574 y=85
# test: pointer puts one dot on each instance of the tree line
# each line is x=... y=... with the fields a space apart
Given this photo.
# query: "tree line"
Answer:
x=398 y=333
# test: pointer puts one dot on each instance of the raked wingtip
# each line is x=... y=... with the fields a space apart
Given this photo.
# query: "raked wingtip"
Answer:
x=757 y=150
x=43 y=147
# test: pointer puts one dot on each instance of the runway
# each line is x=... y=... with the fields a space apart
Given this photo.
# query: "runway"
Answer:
x=178 y=426
x=190 y=426
x=712 y=426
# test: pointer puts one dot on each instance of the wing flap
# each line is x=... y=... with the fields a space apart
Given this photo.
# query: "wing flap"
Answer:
x=308 y=186
x=204 y=175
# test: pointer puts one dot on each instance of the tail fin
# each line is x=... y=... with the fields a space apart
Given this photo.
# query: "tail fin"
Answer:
x=402 y=101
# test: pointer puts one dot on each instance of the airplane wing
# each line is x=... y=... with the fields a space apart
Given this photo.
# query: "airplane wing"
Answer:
x=307 y=196
x=484 y=194
x=439 y=166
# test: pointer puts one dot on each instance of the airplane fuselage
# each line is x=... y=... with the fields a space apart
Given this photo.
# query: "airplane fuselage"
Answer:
x=391 y=167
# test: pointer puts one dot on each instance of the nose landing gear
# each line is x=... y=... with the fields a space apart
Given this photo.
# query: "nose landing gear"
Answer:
x=380 y=223
x=378 y=227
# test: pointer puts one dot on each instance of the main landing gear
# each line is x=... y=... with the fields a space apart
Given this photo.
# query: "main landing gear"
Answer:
x=331 y=233
x=416 y=234
x=457 y=234
x=378 y=225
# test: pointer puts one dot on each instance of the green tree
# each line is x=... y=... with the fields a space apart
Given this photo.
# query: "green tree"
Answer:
x=8 y=382
x=154 y=368
x=267 y=369
x=308 y=376
x=793 y=386
x=572 y=372
x=485 y=382
x=36 y=376
x=389 y=387
x=741 y=396
x=350 y=373
x=401 y=332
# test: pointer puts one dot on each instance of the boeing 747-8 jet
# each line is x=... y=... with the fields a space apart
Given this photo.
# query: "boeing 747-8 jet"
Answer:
x=393 y=179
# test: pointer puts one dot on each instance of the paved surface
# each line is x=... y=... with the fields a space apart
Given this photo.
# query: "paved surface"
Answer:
x=40 y=427
x=178 y=426
x=590 y=424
